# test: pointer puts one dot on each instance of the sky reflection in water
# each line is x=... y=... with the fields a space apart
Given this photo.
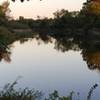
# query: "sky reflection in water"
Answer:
x=44 y=68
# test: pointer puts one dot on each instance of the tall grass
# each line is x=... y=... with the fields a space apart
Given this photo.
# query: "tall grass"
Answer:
x=9 y=92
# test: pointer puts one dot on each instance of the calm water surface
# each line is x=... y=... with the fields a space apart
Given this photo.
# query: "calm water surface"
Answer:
x=43 y=67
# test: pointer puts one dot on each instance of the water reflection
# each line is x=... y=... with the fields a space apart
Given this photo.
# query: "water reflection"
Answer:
x=5 y=53
x=90 y=50
x=92 y=59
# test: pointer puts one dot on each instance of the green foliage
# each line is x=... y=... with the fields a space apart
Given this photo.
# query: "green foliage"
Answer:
x=10 y=93
x=1 y=12
x=18 y=25
x=55 y=96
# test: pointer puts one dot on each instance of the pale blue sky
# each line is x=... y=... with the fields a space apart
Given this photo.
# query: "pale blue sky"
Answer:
x=42 y=8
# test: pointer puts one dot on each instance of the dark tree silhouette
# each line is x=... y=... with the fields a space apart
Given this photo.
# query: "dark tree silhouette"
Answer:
x=22 y=0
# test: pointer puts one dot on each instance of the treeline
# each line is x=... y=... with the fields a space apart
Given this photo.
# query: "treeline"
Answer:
x=63 y=21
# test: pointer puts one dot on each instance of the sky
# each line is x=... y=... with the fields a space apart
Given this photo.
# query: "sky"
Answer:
x=44 y=8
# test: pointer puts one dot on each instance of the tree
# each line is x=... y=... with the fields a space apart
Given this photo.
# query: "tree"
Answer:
x=92 y=7
x=4 y=9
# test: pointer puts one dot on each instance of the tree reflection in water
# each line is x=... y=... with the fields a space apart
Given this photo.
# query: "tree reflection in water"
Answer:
x=90 y=50
x=92 y=59
x=5 y=54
